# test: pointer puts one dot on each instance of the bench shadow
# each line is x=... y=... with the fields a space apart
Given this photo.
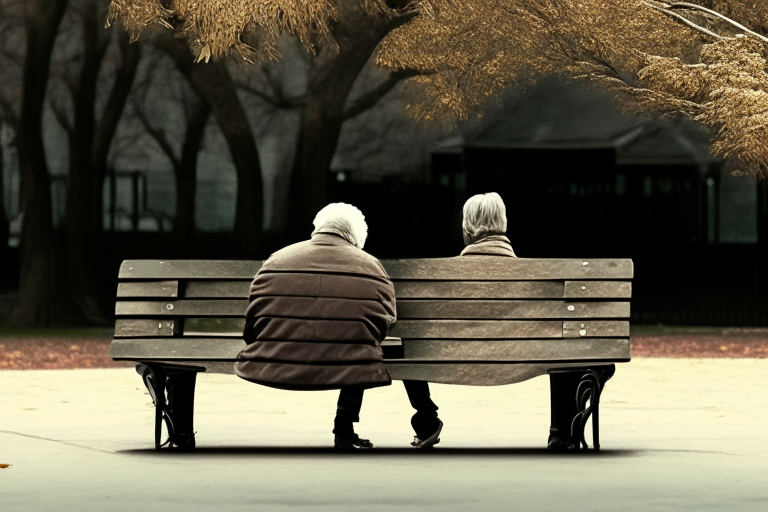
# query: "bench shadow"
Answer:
x=208 y=451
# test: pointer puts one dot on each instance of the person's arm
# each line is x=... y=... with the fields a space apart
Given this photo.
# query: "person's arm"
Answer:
x=390 y=308
x=249 y=333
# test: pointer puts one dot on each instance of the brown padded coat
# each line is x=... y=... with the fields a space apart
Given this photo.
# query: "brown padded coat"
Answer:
x=317 y=314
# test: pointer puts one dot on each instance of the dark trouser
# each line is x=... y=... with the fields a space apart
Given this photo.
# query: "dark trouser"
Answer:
x=562 y=391
x=180 y=389
x=424 y=422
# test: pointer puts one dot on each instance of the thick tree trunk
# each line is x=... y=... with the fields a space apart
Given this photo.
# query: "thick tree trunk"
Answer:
x=357 y=34
x=213 y=83
x=186 y=175
x=762 y=213
x=130 y=54
x=44 y=296
x=81 y=231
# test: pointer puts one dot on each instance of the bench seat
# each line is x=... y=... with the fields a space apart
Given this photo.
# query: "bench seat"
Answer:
x=471 y=320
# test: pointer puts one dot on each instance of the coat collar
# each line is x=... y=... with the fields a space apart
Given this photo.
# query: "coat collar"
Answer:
x=494 y=245
x=329 y=238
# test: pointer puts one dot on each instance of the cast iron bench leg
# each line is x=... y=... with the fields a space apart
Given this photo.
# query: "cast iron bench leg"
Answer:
x=588 y=390
x=159 y=405
x=154 y=377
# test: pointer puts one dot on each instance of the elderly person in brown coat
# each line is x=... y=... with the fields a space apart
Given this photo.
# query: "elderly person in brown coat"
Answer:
x=485 y=227
x=318 y=312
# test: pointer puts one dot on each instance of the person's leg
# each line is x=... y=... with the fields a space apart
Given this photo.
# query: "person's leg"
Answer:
x=562 y=391
x=180 y=389
x=347 y=413
x=425 y=422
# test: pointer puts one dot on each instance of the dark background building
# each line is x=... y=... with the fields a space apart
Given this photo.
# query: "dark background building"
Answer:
x=579 y=178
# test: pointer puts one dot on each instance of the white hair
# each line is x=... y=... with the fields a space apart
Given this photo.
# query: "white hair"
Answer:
x=484 y=214
x=344 y=220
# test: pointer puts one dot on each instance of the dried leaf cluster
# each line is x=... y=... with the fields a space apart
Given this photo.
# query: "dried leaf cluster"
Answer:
x=661 y=58
x=249 y=28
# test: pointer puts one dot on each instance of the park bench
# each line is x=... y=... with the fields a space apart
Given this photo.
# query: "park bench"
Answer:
x=472 y=320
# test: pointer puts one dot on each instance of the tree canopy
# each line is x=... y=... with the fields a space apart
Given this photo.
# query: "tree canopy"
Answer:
x=250 y=28
x=665 y=59
x=704 y=60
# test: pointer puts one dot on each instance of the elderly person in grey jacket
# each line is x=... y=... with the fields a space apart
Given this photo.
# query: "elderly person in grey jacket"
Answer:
x=485 y=227
x=318 y=312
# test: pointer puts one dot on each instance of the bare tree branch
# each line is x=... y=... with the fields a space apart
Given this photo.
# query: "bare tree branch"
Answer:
x=62 y=116
x=157 y=134
x=718 y=15
x=400 y=19
x=368 y=99
x=682 y=19
x=276 y=100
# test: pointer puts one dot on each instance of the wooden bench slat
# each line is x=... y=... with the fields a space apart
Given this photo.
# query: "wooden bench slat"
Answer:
x=485 y=268
x=148 y=289
x=465 y=268
x=214 y=326
x=598 y=290
x=482 y=374
x=226 y=349
x=479 y=289
x=508 y=309
x=189 y=269
x=184 y=349
x=125 y=327
x=519 y=350
x=406 y=309
x=403 y=289
x=233 y=327
x=217 y=289
x=595 y=328
x=477 y=329
x=182 y=308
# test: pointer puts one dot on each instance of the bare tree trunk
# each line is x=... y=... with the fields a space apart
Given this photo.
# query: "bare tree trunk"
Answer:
x=357 y=34
x=4 y=221
x=44 y=296
x=130 y=54
x=186 y=175
x=80 y=223
x=214 y=84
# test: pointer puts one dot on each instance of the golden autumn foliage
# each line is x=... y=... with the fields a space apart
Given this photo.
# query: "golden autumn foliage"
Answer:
x=705 y=59
x=217 y=27
x=660 y=58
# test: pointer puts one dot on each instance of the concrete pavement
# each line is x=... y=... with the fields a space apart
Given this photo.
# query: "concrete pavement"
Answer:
x=677 y=434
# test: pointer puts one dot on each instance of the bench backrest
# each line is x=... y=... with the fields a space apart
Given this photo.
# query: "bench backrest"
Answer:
x=463 y=309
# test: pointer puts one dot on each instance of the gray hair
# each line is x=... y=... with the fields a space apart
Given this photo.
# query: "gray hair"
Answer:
x=484 y=214
x=344 y=220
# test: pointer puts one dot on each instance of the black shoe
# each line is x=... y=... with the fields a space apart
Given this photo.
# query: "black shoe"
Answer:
x=431 y=440
x=559 y=444
x=182 y=441
x=351 y=443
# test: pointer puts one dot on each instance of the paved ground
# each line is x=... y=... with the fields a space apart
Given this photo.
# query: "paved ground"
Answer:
x=677 y=434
